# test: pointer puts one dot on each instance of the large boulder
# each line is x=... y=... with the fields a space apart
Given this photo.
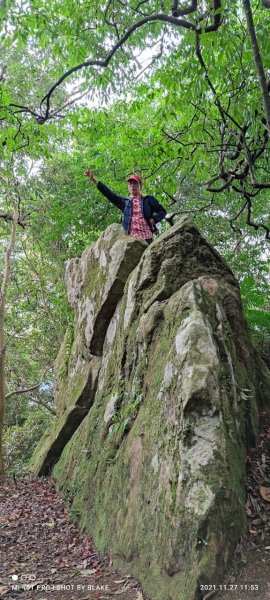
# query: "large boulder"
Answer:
x=95 y=284
x=156 y=469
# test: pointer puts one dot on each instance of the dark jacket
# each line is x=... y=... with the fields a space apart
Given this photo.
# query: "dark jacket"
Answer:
x=150 y=206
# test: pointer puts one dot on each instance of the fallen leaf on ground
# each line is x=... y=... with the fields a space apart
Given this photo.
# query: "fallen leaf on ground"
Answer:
x=50 y=524
x=238 y=548
x=87 y=572
x=257 y=521
x=265 y=493
x=36 y=529
x=254 y=531
x=248 y=510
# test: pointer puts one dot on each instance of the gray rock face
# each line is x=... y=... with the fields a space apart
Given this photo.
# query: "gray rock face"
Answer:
x=95 y=283
x=157 y=466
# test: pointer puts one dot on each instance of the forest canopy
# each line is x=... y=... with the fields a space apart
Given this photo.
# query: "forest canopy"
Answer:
x=178 y=91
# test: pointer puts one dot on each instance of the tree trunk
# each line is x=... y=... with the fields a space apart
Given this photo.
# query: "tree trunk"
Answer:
x=257 y=60
x=2 y=392
x=3 y=295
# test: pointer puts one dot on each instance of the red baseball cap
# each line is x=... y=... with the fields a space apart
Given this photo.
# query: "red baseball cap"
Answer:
x=135 y=177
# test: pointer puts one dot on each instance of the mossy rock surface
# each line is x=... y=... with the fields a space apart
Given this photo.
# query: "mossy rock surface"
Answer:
x=95 y=283
x=156 y=469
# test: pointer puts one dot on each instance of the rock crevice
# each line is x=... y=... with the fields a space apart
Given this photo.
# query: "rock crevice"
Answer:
x=157 y=466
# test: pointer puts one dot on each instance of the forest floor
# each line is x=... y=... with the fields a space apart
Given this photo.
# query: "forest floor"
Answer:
x=45 y=556
x=249 y=576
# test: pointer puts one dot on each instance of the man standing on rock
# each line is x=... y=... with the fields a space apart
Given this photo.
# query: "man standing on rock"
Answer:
x=140 y=213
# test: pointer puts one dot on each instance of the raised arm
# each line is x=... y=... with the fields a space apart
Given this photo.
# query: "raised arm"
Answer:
x=118 y=201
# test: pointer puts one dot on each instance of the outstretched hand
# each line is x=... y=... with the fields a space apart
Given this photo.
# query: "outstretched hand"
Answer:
x=90 y=174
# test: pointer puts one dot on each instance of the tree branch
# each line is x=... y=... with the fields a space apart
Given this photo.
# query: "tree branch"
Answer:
x=257 y=60
x=177 y=12
x=250 y=222
x=204 y=67
x=23 y=390
x=37 y=400
x=41 y=402
x=104 y=63
x=8 y=217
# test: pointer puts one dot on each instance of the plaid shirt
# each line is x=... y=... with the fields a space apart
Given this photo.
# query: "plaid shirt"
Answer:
x=139 y=227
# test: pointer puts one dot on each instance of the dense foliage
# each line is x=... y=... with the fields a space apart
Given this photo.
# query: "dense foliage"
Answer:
x=172 y=90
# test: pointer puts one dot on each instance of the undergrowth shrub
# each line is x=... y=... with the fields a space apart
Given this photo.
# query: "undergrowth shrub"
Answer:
x=21 y=440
